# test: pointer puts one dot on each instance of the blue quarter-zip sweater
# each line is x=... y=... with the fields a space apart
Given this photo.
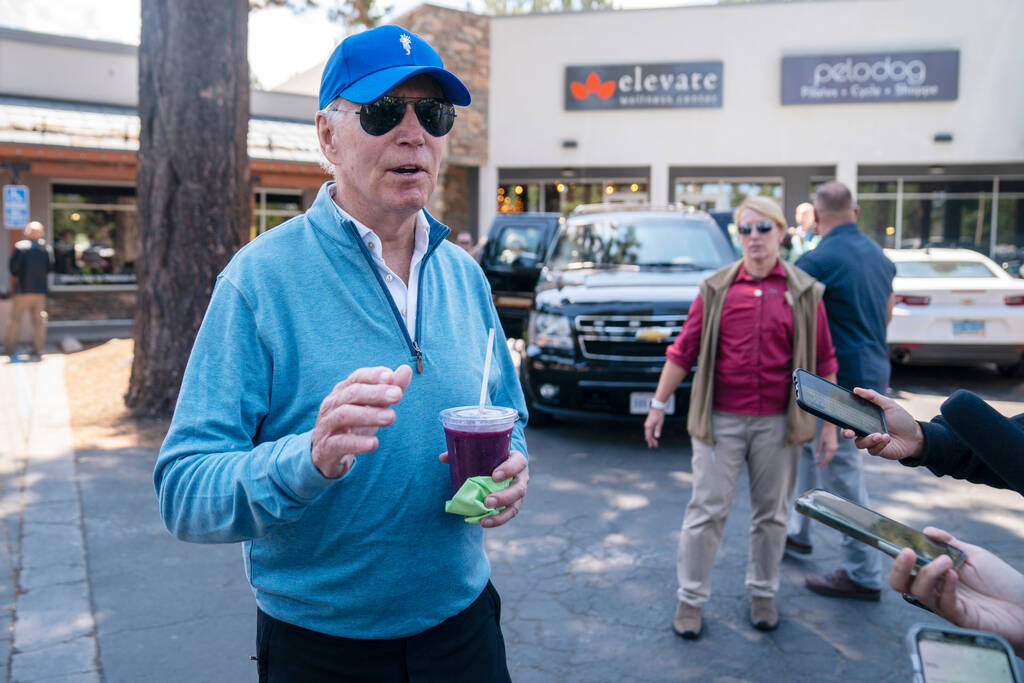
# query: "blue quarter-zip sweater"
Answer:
x=372 y=554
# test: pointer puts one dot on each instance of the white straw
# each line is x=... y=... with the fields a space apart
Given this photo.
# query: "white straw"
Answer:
x=487 y=369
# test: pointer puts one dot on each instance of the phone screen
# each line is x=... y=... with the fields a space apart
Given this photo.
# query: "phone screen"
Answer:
x=868 y=526
x=834 y=401
x=958 y=658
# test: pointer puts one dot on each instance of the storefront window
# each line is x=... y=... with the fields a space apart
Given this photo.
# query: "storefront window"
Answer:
x=95 y=235
x=722 y=194
x=945 y=212
x=273 y=207
x=878 y=220
x=564 y=196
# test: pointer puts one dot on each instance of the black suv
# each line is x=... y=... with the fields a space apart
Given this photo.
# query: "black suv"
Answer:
x=517 y=245
x=613 y=295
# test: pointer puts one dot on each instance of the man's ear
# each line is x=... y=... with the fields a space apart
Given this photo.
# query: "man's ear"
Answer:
x=856 y=212
x=325 y=136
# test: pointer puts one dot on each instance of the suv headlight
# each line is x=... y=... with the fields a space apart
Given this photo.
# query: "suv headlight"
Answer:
x=551 y=331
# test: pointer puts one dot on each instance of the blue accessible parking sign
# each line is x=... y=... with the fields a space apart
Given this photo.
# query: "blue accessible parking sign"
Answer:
x=15 y=206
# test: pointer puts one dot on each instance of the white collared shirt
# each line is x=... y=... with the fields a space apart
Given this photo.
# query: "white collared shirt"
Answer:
x=405 y=298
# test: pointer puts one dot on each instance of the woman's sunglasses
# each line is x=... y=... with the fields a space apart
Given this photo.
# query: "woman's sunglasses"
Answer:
x=748 y=228
x=378 y=117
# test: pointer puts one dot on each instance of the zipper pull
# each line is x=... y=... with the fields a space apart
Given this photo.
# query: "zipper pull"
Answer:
x=419 y=357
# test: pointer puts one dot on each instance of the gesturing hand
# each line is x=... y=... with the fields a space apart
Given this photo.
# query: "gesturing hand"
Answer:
x=985 y=593
x=351 y=414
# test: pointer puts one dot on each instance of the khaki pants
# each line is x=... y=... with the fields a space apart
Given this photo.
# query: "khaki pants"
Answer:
x=756 y=440
x=35 y=306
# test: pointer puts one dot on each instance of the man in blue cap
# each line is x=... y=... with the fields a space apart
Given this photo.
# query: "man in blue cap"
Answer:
x=302 y=429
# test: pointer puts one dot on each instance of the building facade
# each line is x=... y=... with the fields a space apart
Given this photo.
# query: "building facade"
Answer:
x=915 y=104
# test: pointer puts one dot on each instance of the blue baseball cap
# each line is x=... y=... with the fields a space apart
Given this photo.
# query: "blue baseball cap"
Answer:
x=370 y=64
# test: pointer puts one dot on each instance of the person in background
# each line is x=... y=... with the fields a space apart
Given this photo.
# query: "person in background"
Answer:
x=752 y=324
x=858 y=297
x=302 y=431
x=30 y=263
x=465 y=240
x=801 y=238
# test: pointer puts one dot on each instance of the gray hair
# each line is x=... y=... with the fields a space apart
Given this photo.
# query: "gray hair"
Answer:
x=332 y=114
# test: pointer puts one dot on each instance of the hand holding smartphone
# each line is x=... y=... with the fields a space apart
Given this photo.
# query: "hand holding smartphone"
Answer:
x=878 y=531
x=837 y=405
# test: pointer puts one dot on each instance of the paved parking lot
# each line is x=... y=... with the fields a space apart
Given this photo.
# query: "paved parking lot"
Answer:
x=586 y=571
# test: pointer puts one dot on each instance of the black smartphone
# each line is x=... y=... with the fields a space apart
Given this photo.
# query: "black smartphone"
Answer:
x=868 y=526
x=946 y=654
x=839 y=406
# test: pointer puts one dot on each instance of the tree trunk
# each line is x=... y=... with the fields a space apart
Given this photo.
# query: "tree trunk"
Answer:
x=194 y=198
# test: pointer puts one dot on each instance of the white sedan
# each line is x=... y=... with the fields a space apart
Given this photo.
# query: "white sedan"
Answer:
x=955 y=305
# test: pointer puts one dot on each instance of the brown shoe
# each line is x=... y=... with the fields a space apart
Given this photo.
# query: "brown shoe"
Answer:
x=839 y=585
x=687 y=622
x=763 y=614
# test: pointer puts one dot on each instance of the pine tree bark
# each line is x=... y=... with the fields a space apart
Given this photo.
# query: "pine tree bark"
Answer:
x=193 y=193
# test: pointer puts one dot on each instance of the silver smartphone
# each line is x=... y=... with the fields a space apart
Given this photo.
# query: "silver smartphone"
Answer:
x=946 y=654
x=868 y=526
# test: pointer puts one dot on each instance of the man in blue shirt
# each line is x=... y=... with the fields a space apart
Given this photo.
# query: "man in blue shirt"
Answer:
x=858 y=299
x=307 y=423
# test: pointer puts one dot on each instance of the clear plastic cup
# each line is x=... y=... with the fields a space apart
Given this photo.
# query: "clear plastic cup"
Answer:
x=478 y=440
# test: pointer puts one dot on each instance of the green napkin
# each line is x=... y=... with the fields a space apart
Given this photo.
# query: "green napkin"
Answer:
x=468 y=501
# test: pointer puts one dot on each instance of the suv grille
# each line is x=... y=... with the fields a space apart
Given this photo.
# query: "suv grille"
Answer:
x=614 y=337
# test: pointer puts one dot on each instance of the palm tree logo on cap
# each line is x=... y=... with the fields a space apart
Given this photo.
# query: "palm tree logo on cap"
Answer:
x=406 y=42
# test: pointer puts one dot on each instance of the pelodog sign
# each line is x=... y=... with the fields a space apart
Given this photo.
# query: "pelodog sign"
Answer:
x=886 y=77
x=643 y=86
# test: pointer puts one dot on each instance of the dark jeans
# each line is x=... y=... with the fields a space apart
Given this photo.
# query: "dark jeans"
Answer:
x=466 y=647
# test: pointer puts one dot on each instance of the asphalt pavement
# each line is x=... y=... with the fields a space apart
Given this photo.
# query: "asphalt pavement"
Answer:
x=93 y=588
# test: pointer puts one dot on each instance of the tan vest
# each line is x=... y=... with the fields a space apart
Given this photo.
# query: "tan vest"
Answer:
x=804 y=293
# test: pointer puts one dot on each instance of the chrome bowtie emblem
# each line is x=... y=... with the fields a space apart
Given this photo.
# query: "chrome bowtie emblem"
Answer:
x=406 y=42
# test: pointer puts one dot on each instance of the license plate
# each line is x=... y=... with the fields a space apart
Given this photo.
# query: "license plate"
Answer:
x=640 y=403
x=969 y=328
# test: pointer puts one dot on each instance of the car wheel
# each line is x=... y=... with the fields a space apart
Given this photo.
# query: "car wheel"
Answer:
x=1014 y=370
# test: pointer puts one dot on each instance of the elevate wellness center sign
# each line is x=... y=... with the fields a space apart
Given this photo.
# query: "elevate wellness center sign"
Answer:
x=882 y=77
x=643 y=86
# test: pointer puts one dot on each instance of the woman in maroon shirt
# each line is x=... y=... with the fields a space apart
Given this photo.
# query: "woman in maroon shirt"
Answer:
x=770 y=320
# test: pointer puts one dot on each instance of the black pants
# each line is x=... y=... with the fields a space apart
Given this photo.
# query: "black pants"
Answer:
x=467 y=647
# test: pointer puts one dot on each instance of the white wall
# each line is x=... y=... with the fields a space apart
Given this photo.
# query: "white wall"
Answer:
x=53 y=67
x=529 y=55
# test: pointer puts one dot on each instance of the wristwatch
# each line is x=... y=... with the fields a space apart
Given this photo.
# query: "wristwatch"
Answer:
x=660 y=405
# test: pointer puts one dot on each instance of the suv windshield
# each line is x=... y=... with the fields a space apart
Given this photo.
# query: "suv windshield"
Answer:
x=640 y=241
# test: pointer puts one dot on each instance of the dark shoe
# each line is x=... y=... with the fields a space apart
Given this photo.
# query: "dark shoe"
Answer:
x=797 y=548
x=763 y=614
x=687 y=622
x=839 y=585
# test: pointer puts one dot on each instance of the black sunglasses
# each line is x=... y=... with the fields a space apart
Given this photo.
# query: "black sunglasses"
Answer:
x=747 y=228
x=436 y=115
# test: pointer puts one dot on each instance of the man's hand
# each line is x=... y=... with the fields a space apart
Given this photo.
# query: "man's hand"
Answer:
x=652 y=427
x=905 y=438
x=827 y=444
x=985 y=593
x=351 y=414
x=510 y=498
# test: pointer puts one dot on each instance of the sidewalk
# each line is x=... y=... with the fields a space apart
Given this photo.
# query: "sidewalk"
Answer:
x=49 y=633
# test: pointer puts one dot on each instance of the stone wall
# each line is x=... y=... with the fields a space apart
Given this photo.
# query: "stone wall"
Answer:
x=463 y=41
x=91 y=305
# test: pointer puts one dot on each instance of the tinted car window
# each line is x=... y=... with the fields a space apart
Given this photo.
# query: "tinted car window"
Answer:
x=942 y=269
x=639 y=241
x=519 y=242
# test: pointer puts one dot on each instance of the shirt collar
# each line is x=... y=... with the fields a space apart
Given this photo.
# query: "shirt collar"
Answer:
x=777 y=271
x=421 y=232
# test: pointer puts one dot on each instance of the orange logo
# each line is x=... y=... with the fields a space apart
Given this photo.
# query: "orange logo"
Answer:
x=593 y=86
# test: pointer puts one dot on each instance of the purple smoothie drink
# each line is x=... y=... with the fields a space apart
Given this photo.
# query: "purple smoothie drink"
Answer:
x=478 y=440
